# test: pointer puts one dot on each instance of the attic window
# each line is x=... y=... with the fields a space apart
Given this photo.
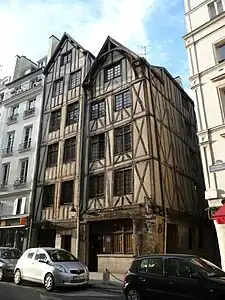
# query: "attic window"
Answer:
x=113 y=71
x=66 y=58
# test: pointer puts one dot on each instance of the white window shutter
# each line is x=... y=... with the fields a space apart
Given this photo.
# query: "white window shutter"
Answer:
x=23 y=206
x=15 y=206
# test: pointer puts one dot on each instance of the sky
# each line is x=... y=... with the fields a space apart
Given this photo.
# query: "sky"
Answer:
x=158 y=25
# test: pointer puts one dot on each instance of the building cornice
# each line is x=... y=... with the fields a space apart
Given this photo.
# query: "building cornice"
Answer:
x=26 y=77
x=205 y=25
x=207 y=71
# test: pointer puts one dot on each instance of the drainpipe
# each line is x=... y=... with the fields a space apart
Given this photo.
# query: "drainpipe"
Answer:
x=36 y=168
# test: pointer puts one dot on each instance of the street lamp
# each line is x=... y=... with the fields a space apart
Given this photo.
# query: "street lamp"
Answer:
x=72 y=212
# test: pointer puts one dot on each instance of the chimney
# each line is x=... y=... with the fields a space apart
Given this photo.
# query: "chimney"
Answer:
x=53 y=43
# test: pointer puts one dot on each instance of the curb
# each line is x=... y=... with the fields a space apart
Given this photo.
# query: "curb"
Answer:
x=113 y=290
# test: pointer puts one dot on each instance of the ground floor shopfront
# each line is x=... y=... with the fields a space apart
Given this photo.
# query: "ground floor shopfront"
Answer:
x=14 y=232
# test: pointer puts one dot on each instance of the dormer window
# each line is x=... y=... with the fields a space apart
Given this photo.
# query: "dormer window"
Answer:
x=66 y=58
x=113 y=71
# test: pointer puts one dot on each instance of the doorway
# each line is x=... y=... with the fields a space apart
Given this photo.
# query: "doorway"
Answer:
x=46 y=238
x=172 y=238
x=66 y=242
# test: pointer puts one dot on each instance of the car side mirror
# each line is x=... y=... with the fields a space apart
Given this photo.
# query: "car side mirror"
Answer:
x=43 y=261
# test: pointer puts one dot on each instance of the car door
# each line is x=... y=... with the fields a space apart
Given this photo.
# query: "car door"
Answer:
x=151 y=276
x=180 y=283
x=27 y=265
x=39 y=267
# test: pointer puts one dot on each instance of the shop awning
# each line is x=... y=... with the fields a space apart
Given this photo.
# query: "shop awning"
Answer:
x=13 y=227
x=219 y=215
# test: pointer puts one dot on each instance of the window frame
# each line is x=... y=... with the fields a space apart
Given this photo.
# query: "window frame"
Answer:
x=60 y=89
x=51 y=152
x=168 y=259
x=215 y=7
x=77 y=80
x=55 y=120
x=123 y=99
x=24 y=165
x=148 y=259
x=217 y=45
x=117 y=178
x=51 y=194
x=74 y=111
x=69 y=146
x=123 y=134
x=65 y=191
x=114 y=71
x=99 y=112
x=98 y=142
x=95 y=187
x=66 y=58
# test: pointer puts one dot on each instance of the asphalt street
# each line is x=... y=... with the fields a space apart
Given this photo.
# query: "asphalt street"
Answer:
x=10 y=291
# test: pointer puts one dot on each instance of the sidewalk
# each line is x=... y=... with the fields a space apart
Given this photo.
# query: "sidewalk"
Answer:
x=114 y=285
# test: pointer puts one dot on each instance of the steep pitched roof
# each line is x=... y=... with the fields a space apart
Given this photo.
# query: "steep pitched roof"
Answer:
x=65 y=37
x=109 y=45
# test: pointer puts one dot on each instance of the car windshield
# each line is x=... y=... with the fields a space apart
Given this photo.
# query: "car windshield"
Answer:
x=206 y=267
x=10 y=253
x=61 y=255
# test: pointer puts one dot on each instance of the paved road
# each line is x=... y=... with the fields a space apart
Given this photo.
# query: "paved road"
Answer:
x=9 y=291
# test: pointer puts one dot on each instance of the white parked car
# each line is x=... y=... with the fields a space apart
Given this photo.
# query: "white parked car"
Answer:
x=52 y=267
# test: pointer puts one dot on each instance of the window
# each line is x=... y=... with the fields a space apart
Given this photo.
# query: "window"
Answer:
x=97 y=147
x=123 y=182
x=14 y=110
x=5 y=173
x=69 y=150
x=66 y=58
x=112 y=72
x=52 y=157
x=97 y=110
x=215 y=8
x=27 y=137
x=31 y=104
x=30 y=255
x=48 y=195
x=122 y=100
x=72 y=114
x=40 y=256
x=97 y=186
x=123 y=139
x=19 y=204
x=201 y=238
x=23 y=171
x=188 y=129
x=75 y=79
x=55 y=120
x=152 y=266
x=58 y=87
x=178 y=268
x=66 y=192
x=220 y=51
x=10 y=142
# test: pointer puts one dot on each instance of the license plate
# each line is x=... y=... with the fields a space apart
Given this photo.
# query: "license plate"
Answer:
x=78 y=277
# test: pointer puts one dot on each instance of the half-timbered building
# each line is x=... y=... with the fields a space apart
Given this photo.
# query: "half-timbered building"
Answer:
x=143 y=190
x=59 y=161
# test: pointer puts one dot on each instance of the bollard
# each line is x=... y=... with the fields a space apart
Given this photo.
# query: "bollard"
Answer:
x=106 y=276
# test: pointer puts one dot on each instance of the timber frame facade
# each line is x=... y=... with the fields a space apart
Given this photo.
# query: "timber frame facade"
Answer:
x=119 y=160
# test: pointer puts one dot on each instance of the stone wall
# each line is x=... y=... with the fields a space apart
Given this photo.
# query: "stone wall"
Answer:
x=115 y=263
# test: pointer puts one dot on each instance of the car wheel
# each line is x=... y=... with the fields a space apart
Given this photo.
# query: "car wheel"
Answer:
x=49 y=282
x=133 y=294
x=17 y=277
x=1 y=274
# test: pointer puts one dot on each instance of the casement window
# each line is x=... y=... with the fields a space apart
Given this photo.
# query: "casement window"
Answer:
x=10 y=142
x=122 y=100
x=52 y=157
x=113 y=71
x=123 y=182
x=97 y=150
x=13 y=117
x=5 y=174
x=66 y=58
x=67 y=192
x=31 y=104
x=19 y=207
x=55 y=120
x=75 y=79
x=23 y=171
x=27 y=138
x=97 y=110
x=215 y=8
x=123 y=139
x=220 y=51
x=48 y=195
x=58 y=87
x=72 y=114
x=69 y=153
x=97 y=186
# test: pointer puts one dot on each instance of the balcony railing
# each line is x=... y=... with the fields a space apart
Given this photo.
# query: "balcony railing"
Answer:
x=12 y=119
x=29 y=112
x=3 y=185
x=25 y=146
x=20 y=182
x=25 y=87
x=7 y=151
